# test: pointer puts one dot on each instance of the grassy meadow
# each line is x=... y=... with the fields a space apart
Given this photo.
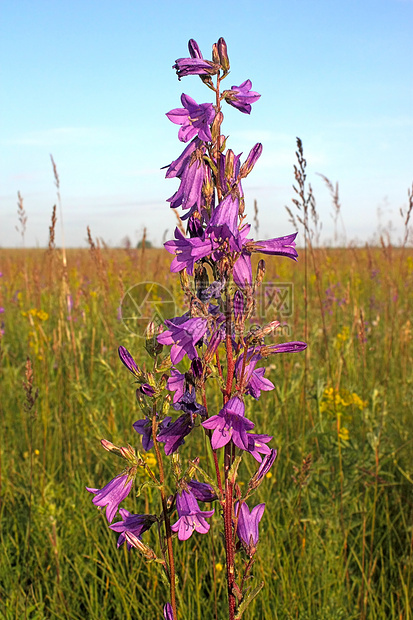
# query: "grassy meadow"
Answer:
x=336 y=536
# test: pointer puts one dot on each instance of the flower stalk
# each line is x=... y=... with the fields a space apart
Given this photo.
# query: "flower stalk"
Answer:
x=212 y=343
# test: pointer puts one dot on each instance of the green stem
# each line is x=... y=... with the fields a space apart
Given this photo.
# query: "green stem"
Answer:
x=166 y=517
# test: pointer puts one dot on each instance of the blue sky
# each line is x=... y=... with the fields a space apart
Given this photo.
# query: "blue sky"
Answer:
x=90 y=81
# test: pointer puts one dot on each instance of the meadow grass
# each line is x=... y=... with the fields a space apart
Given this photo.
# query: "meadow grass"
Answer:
x=336 y=536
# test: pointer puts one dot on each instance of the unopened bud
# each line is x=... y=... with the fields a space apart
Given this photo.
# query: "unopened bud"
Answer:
x=166 y=404
x=215 y=54
x=251 y=160
x=229 y=164
x=283 y=347
x=201 y=280
x=196 y=367
x=263 y=469
x=147 y=390
x=213 y=345
x=184 y=279
x=164 y=364
x=193 y=48
x=238 y=305
x=109 y=446
x=260 y=272
x=216 y=126
x=146 y=551
x=223 y=54
x=150 y=330
x=128 y=453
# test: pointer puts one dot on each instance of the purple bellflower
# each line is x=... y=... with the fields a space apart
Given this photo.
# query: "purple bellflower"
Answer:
x=194 y=119
x=247 y=529
x=112 y=495
x=137 y=524
x=191 y=169
x=196 y=65
x=144 y=428
x=283 y=347
x=230 y=424
x=253 y=379
x=188 y=251
x=173 y=435
x=256 y=445
x=241 y=97
x=224 y=221
x=281 y=246
x=176 y=383
x=188 y=404
x=242 y=270
x=183 y=336
x=190 y=516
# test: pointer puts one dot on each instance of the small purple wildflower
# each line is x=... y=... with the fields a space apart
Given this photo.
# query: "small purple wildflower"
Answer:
x=247 y=529
x=176 y=383
x=241 y=96
x=194 y=119
x=256 y=445
x=196 y=65
x=188 y=251
x=137 y=524
x=253 y=380
x=190 y=516
x=183 y=336
x=173 y=435
x=188 y=404
x=224 y=221
x=112 y=495
x=230 y=424
x=144 y=428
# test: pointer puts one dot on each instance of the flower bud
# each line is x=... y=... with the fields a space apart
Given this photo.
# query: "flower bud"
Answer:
x=150 y=330
x=109 y=446
x=147 y=389
x=184 y=279
x=238 y=305
x=216 y=126
x=196 y=367
x=213 y=345
x=251 y=160
x=223 y=54
x=146 y=551
x=229 y=164
x=215 y=54
x=263 y=470
x=201 y=280
x=283 y=347
x=129 y=454
x=260 y=272
x=193 y=48
x=166 y=404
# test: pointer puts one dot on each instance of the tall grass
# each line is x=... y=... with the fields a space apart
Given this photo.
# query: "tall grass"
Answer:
x=337 y=531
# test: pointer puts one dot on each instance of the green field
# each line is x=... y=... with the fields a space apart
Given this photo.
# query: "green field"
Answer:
x=336 y=536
